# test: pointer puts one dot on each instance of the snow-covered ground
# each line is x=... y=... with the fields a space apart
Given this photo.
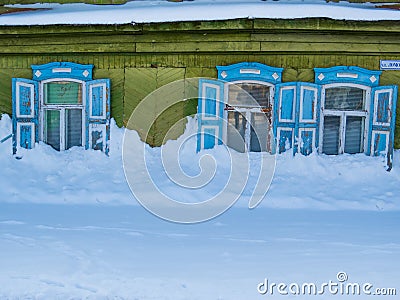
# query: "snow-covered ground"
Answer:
x=70 y=228
x=77 y=176
x=164 y=11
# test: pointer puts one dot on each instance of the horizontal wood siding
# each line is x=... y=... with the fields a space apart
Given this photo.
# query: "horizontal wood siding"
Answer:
x=143 y=57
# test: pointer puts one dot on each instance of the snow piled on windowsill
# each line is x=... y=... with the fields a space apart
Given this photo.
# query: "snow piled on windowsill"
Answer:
x=198 y=10
x=79 y=176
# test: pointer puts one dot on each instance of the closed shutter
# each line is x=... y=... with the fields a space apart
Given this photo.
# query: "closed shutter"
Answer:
x=210 y=113
x=25 y=102
x=296 y=117
x=285 y=116
x=382 y=122
x=98 y=115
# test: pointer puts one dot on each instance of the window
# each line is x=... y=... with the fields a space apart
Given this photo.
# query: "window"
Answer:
x=61 y=106
x=62 y=111
x=344 y=117
x=249 y=121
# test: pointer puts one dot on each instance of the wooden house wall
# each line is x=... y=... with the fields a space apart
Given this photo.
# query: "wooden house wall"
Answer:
x=141 y=58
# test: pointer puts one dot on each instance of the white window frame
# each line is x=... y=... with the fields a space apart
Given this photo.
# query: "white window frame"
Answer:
x=206 y=116
x=61 y=108
x=98 y=127
x=104 y=103
x=343 y=114
x=216 y=131
x=315 y=90
x=246 y=110
x=305 y=129
x=278 y=137
x=294 y=88
x=377 y=92
x=23 y=124
x=18 y=99
x=376 y=132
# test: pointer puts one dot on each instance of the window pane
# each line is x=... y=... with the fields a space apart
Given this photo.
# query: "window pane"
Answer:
x=354 y=135
x=344 y=98
x=239 y=94
x=331 y=135
x=73 y=128
x=63 y=92
x=236 y=131
x=259 y=134
x=52 y=130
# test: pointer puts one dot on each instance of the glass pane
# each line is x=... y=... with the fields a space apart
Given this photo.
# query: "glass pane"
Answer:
x=259 y=135
x=354 y=135
x=73 y=128
x=239 y=94
x=331 y=135
x=63 y=92
x=344 y=98
x=52 y=129
x=236 y=131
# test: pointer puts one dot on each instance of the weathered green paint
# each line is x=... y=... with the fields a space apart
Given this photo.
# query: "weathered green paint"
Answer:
x=143 y=57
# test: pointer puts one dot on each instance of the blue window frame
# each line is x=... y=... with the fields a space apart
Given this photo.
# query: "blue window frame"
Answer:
x=62 y=106
x=343 y=111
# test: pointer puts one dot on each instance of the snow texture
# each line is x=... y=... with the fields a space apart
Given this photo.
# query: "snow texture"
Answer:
x=79 y=176
x=198 y=10
x=71 y=229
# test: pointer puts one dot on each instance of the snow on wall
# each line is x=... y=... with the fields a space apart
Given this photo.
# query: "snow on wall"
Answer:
x=44 y=175
x=198 y=10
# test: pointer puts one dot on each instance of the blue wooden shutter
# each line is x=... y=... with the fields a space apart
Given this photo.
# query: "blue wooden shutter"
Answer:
x=25 y=108
x=98 y=115
x=382 y=122
x=210 y=113
x=308 y=119
x=285 y=108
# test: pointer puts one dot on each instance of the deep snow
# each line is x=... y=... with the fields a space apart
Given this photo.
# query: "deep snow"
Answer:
x=78 y=176
x=71 y=229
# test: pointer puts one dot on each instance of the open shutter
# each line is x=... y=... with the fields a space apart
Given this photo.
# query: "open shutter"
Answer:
x=98 y=115
x=308 y=119
x=210 y=113
x=382 y=122
x=25 y=107
x=285 y=116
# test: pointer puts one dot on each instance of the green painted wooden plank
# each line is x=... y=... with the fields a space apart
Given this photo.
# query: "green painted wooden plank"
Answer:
x=328 y=38
x=117 y=77
x=60 y=39
x=325 y=24
x=197 y=47
x=328 y=47
x=164 y=37
x=139 y=82
x=236 y=24
x=70 y=29
x=66 y=48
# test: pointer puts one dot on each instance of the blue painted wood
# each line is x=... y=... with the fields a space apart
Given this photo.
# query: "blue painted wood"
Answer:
x=250 y=71
x=211 y=104
x=98 y=114
x=382 y=120
x=6 y=138
x=284 y=104
x=303 y=100
x=307 y=139
x=62 y=70
x=345 y=74
x=309 y=106
x=25 y=95
x=285 y=140
x=379 y=144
